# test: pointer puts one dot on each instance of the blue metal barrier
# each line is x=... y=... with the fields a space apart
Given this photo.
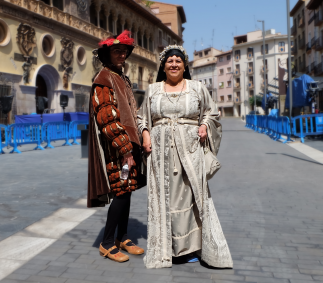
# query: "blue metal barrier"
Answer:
x=74 y=132
x=274 y=127
x=307 y=125
x=3 y=134
x=19 y=134
x=53 y=131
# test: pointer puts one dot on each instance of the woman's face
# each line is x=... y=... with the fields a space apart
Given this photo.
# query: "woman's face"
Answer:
x=174 y=68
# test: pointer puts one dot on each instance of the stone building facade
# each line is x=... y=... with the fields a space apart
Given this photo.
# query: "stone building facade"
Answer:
x=46 y=49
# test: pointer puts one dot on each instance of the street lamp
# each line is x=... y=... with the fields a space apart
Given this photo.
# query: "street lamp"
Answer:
x=264 y=58
x=289 y=66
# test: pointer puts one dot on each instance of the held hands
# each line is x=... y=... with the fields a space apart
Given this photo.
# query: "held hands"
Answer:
x=202 y=133
x=146 y=144
x=128 y=158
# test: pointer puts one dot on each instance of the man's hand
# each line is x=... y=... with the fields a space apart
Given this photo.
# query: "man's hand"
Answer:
x=146 y=144
x=128 y=158
x=202 y=133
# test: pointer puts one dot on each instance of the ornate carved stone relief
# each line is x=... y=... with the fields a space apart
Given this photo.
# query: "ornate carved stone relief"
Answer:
x=26 y=39
x=66 y=59
x=96 y=63
x=82 y=5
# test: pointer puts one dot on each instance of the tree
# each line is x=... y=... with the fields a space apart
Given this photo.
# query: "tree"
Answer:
x=258 y=100
x=148 y=3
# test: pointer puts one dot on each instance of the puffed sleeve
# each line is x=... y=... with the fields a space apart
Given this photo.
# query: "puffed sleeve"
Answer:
x=108 y=119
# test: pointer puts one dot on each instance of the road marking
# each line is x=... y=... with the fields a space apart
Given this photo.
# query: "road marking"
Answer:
x=308 y=151
x=21 y=247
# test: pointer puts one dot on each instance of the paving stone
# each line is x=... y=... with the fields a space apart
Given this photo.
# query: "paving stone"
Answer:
x=111 y=278
x=255 y=273
x=70 y=275
x=45 y=279
x=265 y=280
x=228 y=277
x=191 y=280
x=163 y=271
x=17 y=276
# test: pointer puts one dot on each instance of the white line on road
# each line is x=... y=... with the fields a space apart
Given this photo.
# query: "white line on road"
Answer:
x=21 y=247
x=308 y=151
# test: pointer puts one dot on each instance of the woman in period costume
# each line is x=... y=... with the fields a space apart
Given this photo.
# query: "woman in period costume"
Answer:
x=113 y=142
x=177 y=115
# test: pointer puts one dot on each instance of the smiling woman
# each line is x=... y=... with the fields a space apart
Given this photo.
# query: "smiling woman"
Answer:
x=176 y=117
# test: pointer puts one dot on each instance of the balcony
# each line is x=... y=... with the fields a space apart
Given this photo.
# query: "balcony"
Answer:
x=237 y=100
x=229 y=99
x=237 y=86
x=250 y=71
x=294 y=49
x=318 y=19
x=312 y=67
x=250 y=85
x=301 y=22
x=319 y=44
x=308 y=47
x=311 y=19
x=301 y=68
x=301 y=43
x=318 y=69
x=313 y=41
x=293 y=30
x=262 y=70
x=263 y=85
x=237 y=72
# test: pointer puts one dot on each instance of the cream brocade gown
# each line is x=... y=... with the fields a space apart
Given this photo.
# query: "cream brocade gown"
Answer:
x=181 y=214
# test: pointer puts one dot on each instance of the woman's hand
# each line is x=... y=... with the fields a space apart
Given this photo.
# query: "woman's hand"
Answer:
x=202 y=133
x=128 y=158
x=146 y=144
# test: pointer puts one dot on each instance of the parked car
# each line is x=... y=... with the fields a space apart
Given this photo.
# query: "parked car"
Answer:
x=253 y=112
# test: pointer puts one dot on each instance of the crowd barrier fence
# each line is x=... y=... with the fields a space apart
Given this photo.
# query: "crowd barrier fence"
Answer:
x=273 y=126
x=54 y=131
x=74 y=132
x=24 y=133
x=307 y=125
x=3 y=135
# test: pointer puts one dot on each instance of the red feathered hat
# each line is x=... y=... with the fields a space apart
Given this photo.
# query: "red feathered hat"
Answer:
x=123 y=38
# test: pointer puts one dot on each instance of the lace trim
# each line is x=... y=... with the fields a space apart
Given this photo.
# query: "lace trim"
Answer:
x=183 y=210
x=189 y=233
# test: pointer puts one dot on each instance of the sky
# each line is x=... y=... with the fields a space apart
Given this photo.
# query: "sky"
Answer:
x=228 y=18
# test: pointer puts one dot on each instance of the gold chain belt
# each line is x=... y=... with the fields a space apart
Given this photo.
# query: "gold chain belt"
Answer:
x=174 y=122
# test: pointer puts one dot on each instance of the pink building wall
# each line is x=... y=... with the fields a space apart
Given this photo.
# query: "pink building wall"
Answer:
x=226 y=106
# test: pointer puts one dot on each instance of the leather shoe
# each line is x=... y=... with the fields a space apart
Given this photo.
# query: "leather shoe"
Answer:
x=118 y=257
x=134 y=250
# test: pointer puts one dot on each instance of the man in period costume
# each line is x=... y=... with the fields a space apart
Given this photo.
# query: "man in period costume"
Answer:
x=113 y=142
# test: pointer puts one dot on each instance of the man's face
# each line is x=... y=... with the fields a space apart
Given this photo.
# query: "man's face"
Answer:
x=118 y=55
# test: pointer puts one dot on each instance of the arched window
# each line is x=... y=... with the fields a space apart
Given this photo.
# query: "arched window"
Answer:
x=103 y=19
x=93 y=15
x=119 y=26
x=145 y=42
x=151 y=47
x=139 y=35
x=111 y=23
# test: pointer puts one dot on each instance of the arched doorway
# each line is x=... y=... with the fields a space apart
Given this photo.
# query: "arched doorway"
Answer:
x=41 y=91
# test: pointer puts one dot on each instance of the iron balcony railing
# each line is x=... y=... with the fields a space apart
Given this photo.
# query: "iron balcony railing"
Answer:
x=312 y=67
x=308 y=69
x=313 y=41
x=293 y=30
x=318 y=69
x=301 y=67
x=308 y=46
x=311 y=19
x=318 y=19
x=301 y=43
x=319 y=44
x=301 y=22
x=294 y=48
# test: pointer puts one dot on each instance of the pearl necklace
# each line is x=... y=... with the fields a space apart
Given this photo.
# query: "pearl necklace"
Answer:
x=174 y=95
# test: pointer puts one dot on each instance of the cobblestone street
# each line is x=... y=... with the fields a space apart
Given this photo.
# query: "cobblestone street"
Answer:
x=268 y=197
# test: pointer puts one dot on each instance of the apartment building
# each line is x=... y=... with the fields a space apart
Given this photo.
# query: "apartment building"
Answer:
x=298 y=31
x=315 y=54
x=204 y=69
x=225 y=84
x=248 y=65
x=46 y=48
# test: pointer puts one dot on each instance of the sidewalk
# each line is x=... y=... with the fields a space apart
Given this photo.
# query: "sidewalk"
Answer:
x=268 y=197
